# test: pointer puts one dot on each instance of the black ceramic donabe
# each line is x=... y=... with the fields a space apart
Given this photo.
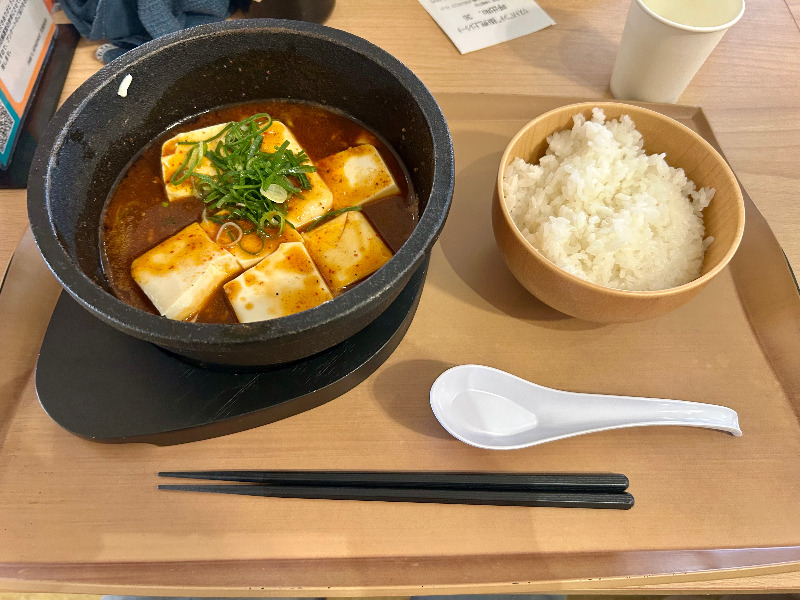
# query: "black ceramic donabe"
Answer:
x=97 y=132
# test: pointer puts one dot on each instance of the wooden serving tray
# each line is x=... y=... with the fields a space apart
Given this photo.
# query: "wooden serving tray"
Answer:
x=80 y=517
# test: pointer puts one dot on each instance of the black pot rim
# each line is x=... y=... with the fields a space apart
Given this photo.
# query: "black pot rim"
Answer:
x=160 y=330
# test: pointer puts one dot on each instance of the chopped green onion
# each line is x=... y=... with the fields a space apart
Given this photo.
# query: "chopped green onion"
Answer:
x=275 y=193
x=249 y=184
x=257 y=252
x=329 y=215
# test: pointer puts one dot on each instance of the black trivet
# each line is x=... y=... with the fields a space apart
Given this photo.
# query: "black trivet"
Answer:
x=106 y=386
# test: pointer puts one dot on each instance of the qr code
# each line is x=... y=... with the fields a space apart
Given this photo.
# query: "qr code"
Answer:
x=6 y=125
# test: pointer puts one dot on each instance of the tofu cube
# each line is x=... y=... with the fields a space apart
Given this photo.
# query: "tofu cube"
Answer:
x=284 y=283
x=356 y=176
x=173 y=155
x=278 y=133
x=252 y=248
x=346 y=249
x=313 y=203
x=182 y=272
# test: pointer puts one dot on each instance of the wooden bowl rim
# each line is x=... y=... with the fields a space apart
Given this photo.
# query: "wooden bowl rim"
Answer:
x=580 y=107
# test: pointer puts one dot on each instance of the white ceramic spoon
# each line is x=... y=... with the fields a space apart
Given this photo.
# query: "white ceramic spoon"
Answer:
x=492 y=409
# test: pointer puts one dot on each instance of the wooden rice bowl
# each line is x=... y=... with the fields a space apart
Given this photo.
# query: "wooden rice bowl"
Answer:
x=723 y=218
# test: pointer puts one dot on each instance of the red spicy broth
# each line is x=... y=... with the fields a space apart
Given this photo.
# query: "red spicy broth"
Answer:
x=138 y=215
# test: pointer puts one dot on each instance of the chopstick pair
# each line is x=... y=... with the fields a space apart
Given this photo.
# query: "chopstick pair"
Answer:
x=567 y=490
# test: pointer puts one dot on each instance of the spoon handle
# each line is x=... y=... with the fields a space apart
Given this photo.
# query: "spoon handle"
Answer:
x=611 y=412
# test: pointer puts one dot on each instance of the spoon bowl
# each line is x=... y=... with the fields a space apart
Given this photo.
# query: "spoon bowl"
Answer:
x=495 y=410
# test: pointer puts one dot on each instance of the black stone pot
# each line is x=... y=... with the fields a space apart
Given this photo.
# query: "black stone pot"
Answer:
x=97 y=132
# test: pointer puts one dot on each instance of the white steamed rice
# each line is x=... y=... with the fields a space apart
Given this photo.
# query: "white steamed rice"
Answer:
x=600 y=208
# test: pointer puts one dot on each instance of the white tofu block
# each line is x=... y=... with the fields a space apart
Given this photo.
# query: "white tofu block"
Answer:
x=346 y=249
x=284 y=283
x=313 y=203
x=356 y=176
x=173 y=155
x=278 y=133
x=182 y=272
x=252 y=248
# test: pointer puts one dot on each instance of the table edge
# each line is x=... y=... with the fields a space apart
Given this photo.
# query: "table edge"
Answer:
x=574 y=572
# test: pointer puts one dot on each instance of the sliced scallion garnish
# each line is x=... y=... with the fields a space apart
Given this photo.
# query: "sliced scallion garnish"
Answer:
x=249 y=184
x=329 y=215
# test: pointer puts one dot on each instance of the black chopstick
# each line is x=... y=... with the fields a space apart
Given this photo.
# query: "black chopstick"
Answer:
x=621 y=500
x=531 y=482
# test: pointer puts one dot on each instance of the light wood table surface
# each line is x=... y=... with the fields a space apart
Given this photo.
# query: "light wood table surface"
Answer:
x=749 y=88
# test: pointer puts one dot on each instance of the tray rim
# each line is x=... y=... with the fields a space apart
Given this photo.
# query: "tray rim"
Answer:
x=547 y=572
x=518 y=573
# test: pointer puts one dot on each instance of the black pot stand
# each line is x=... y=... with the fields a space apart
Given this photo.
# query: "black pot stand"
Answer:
x=106 y=386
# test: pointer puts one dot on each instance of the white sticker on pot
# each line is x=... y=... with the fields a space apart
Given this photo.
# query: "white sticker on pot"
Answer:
x=476 y=24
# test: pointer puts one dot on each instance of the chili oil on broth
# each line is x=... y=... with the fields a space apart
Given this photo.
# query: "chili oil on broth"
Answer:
x=138 y=216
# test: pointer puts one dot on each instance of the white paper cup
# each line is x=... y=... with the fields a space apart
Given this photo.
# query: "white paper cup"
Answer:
x=657 y=57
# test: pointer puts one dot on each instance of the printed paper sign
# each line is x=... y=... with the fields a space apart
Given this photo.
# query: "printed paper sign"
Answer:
x=476 y=24
x=26 y=29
